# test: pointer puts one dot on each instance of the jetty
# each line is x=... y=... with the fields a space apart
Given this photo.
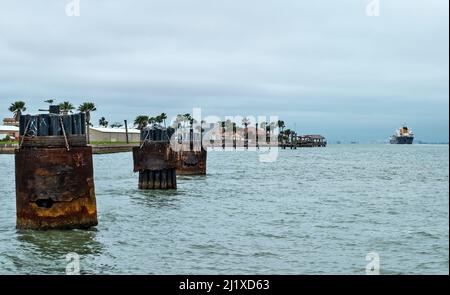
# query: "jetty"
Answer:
x=305 y=141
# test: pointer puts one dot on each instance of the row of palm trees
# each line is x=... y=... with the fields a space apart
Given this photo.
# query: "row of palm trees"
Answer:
x=187 y=120
x=184 y=120
x=142 y=120
x=264 y=125
x=18 y=107
x=284 y=135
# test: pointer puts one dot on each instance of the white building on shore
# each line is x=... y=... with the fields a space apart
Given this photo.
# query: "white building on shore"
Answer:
x=108 y=134
x=12 y=131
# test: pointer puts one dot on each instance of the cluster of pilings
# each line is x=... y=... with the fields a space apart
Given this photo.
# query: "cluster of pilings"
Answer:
x=54 y=174
x=53 y=124
x=154 y=160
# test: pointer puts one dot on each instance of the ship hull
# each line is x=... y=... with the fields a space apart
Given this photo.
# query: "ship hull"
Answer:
x=402 y=140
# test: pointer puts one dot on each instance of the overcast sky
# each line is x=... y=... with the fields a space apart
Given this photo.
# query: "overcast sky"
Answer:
x=323 y=66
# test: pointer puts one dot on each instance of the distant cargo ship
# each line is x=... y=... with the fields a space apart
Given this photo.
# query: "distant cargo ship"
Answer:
x=402 y=136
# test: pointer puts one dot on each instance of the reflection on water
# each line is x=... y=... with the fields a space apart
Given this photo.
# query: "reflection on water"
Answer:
x=45 y=251
x=156 y=198
x=57 y=243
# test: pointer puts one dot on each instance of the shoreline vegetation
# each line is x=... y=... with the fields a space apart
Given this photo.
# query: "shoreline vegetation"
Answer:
x=287 y=137
x=119 y=143
x=236 y=130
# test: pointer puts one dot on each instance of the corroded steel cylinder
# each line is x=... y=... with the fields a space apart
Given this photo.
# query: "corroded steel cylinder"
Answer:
x=191 y=162
x=154 y=160
x=54 y=178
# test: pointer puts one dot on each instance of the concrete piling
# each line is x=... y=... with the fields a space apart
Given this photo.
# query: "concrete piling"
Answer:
x=54 y=174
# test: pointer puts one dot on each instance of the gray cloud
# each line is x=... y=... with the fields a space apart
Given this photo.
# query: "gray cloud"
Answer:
x=324 y=66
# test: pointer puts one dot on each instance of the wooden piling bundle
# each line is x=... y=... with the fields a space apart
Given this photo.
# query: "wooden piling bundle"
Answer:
x=158 y=179
x=154 y=160
x=54 y=174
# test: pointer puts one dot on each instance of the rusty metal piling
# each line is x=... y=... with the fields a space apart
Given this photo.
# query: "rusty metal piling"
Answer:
x=154 y=160
x=54 y=174
x=190 y=158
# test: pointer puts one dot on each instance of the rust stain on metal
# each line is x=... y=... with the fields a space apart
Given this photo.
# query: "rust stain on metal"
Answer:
x=156 y=165
x=53 y=141
x=55 y=188
x=191 y=162
x=153 y=156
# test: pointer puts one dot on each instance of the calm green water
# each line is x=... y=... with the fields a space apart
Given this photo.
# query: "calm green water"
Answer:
x=314 y=211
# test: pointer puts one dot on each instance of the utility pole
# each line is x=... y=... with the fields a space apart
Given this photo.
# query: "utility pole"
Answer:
x=126 y=131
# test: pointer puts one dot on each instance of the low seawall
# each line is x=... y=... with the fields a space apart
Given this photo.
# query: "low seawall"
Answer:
x=96 y=149
x=8 y=148
x=110 y=149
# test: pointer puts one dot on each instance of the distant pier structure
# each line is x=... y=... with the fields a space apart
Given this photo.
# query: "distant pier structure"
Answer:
x=227 y=135
x=154 y=160
x=54 y=173
x=295 y=141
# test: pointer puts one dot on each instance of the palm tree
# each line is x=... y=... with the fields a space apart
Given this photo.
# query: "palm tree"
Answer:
x=285 y=135
x=245 y=122
x=141 y=121
x=103 y=122
x=281 y=125
x=163 y=117
x=293 y=135
x=87 y=108
x=66 y=107
x=229 y=124
x=272 y=125
x=116 y=125
x=202 y=124
x=263 y=125
x=49 y=101
x=257 y=135
x=179 y=119
x=267 y=128
x=158 y=119
x=17 y=108
x=187 y=118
